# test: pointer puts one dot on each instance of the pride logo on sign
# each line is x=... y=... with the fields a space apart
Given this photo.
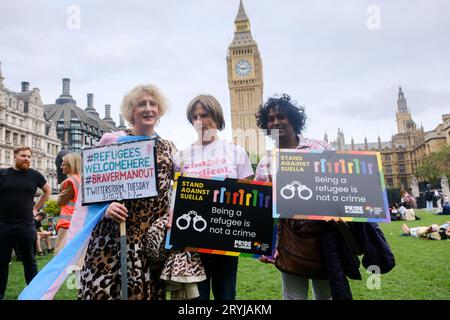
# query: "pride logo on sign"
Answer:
x=253 y=198
x=342 y=166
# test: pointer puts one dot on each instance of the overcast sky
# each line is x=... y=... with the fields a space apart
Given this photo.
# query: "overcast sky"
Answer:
x=334 y=57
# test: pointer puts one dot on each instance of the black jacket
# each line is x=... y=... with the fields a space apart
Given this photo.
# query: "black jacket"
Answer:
x=341 y=245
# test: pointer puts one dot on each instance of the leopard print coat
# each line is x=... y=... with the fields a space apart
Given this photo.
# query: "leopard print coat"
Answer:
x=179 y=265
x=100 y=276
x=182 y=269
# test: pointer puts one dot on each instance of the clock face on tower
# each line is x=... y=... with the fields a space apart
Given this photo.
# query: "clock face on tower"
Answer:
x=243 y=68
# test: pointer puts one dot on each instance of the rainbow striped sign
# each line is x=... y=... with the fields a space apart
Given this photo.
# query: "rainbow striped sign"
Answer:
x=221 y=216
x=324 y=185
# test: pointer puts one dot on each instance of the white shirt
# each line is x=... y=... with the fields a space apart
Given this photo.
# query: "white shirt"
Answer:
x=216 y=159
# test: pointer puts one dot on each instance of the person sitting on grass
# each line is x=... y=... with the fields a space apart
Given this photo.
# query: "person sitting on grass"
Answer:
x=402 y=210
x=409 y=203
x=445 y=209
x=42 y=234
x=395 y=212
x=433 y=232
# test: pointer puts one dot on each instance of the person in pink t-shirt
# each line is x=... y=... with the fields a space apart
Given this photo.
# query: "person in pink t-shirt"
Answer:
x=211 y=156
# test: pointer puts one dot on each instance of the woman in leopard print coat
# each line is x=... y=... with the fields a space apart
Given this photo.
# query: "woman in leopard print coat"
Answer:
x=100 y=276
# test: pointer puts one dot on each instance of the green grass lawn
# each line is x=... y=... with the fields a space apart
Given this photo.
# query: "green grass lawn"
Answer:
x=422 y=271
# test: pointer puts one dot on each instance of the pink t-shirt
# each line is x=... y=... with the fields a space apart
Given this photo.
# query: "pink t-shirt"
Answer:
x=217 y=159
x=263 y=170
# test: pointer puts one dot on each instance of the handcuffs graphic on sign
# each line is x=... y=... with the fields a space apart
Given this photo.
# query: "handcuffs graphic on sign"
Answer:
x=301 y=189
x=184 y=221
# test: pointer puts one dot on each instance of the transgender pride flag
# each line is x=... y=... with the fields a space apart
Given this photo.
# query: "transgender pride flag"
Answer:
x=48 y=281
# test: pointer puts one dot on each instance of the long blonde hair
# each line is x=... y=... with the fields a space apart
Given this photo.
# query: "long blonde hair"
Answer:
x=74 y=161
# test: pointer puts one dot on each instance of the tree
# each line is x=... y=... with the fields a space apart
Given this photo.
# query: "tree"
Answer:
x=254 y=160
x=435 y=165
x=51 y=208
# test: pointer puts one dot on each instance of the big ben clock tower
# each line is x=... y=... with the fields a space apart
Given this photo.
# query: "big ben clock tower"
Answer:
x=245 y=80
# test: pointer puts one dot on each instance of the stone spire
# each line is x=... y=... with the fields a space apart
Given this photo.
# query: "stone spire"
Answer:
x=379 y=142
x=242 y=34
x=401 y=102
x=366 y=146
x=403 y=116
x=325 y=137
x=353 y=144
x=340 y=139
x=241 y=16
x=400 y=93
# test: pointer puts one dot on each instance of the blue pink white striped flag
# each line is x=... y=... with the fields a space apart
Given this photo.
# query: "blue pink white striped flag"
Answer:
x=47 y=282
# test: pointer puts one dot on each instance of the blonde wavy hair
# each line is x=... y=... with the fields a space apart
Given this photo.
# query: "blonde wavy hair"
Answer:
x=74 y=161
x=129 y=101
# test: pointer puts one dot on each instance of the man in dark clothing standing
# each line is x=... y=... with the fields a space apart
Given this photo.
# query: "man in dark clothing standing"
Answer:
x=18 y=186
x=429 y=199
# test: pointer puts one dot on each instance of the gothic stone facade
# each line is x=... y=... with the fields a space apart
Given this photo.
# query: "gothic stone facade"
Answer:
x=405 y=152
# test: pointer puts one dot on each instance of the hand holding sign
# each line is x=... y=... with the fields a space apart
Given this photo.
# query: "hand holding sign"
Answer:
x=117 y=212
x=266 y=259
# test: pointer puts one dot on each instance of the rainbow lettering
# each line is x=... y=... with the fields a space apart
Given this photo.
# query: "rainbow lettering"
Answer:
x=239 y=197
x=340 y=166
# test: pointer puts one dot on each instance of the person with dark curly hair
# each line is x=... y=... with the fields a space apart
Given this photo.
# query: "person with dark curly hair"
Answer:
x=284 y=121
x=286 y=107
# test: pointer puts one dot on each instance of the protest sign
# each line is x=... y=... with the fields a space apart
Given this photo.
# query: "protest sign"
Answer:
x=119 y=172
x=329 y=184
x=222 y=216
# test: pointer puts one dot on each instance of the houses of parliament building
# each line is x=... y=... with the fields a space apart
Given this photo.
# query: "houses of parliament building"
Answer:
x=25 y=120
x=406 y=150
x=400 y=156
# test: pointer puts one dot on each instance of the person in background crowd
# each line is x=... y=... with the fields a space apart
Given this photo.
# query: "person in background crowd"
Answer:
x=409 y=203
x=18 y=186
x=42 y=234
x=395 y=213
x=445 y=209
x=429 y=199
x=438 y=198
x=433 y=232
x=71 y=166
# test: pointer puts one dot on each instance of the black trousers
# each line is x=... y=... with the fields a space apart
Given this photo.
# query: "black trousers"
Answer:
x=23 y=238
x=221 y=274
